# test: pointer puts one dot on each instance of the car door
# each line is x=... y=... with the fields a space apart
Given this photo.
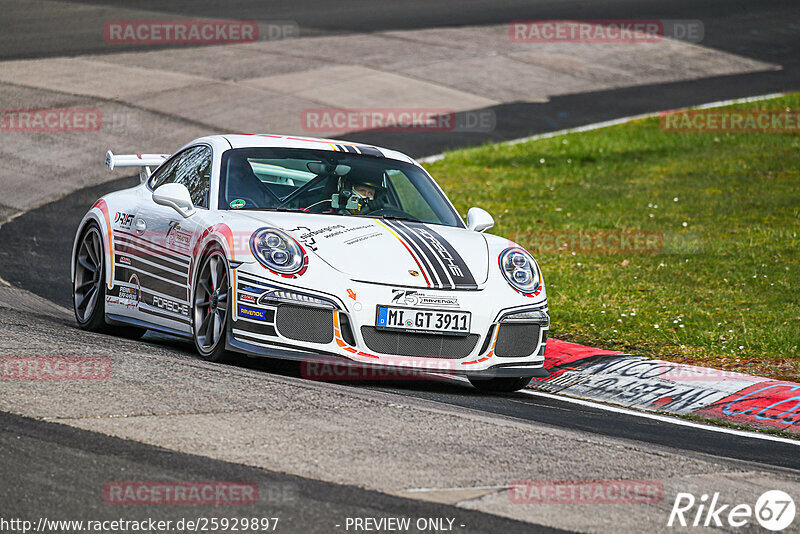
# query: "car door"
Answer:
x=170 y=238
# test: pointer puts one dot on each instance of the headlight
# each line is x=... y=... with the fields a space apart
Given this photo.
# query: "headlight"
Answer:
x=278 y=252
x=520 y=270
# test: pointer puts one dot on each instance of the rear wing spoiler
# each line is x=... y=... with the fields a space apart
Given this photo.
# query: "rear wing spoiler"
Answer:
x=143 y=161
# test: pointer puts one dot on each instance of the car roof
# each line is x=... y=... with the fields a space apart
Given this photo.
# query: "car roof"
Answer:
x=291 y=141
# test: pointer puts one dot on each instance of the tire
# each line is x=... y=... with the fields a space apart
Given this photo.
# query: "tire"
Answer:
x=90 y=283
x=500 y=385
x=211 y=307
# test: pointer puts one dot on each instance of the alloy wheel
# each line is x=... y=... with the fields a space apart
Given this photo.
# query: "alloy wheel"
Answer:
x=211 y=303
x=88 y=284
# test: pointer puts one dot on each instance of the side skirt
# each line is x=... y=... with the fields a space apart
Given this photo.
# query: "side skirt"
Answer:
x=112 y=319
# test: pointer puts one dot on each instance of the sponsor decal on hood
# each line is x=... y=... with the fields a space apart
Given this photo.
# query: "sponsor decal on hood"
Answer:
x=392 y=252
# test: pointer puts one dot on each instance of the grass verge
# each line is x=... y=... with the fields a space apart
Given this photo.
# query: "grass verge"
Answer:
x=715 y=277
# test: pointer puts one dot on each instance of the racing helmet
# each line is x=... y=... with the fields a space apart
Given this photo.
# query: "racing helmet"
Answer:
x=358 y=194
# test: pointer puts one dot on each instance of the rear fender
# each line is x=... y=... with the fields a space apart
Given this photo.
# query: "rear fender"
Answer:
x=98 y=214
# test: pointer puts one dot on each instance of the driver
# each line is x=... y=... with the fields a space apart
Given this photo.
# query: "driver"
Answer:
x=365 y=190
x=357 y=195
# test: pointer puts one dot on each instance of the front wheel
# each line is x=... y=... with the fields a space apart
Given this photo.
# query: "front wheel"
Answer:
x=500 y=385
x=210 y=304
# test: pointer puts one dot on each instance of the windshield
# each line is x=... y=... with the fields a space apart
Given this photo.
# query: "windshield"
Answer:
x=335 y=183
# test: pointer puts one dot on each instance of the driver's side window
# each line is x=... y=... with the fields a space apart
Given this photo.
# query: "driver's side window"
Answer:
x=192 y=168
x=165 y=174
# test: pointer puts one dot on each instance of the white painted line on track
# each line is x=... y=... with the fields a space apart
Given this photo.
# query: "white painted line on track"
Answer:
x=615 y=122
x=487 y=488
x=662 y=418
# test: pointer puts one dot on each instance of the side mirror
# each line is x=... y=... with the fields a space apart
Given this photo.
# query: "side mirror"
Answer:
x=479 y=220
x=175 y=196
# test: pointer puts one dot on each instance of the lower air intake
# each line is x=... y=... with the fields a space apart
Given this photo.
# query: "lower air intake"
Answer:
x=517 y=340
x=302 y=323
x=419 y=345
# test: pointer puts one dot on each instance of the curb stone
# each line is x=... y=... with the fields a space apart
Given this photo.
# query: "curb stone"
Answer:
x=681 y=389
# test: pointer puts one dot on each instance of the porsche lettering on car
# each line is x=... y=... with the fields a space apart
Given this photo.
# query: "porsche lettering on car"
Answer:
x=309 y=249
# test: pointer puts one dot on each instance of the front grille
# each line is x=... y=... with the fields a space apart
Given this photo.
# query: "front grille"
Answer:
x=419 y=345
x=302 y=323
x=517 y=340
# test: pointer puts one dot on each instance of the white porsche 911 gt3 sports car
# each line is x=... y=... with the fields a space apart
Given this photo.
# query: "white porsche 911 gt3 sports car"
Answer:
x=307 y=249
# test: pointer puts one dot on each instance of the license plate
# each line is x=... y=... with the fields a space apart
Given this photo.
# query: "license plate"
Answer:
x=428 y=321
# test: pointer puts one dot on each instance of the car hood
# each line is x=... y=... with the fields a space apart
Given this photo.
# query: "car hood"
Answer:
x=389 y=251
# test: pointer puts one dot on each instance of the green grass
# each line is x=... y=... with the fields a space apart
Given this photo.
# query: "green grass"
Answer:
x=724 y=290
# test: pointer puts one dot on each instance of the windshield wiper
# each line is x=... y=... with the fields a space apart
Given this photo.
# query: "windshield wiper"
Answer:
x=398 y=218
x=270 y=209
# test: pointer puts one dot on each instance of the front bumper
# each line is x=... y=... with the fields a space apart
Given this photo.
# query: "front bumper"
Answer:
x=383 y=371
x=331 y=328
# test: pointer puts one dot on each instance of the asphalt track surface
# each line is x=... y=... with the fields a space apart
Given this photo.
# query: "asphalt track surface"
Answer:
x=36 y=258
x=768 y=30
x=68 y=467
x=34 y=250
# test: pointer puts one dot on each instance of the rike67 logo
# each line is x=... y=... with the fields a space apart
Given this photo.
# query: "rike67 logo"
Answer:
x=774 y=510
